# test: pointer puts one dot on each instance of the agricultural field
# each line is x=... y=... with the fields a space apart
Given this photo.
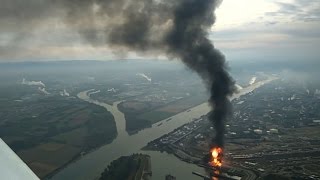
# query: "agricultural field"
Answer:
x=48 y=157
x=48 y=132
x=141 y=114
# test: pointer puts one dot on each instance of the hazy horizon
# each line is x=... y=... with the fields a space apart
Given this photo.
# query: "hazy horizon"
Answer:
x=255 y=30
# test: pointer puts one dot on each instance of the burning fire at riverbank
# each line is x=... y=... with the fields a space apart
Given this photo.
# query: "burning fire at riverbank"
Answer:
x=216 y=157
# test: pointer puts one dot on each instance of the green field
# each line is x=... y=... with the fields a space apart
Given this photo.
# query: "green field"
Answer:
x=145 y=113
x=75 y=137
x=171 y=109
x=48 y=157
x=49 y=131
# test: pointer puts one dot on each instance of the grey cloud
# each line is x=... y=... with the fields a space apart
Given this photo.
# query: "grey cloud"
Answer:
x=21 y=15
x=176 y=28
x=299 y=10
x=288 y=8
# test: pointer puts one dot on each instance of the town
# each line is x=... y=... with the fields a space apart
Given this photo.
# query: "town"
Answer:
x=274 y=129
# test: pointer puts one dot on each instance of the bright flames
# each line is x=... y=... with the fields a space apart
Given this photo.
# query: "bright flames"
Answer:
x=216 y=157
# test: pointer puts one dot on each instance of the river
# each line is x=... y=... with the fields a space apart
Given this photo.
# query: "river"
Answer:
x=92 y=164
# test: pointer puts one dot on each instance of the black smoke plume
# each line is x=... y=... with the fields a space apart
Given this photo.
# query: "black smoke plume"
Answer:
x=178 y=28
x=188 y=40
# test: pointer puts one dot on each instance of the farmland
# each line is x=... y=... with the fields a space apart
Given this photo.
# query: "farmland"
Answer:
x=47 y=132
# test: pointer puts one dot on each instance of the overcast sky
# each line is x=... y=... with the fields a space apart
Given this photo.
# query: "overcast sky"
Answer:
x=253 y=30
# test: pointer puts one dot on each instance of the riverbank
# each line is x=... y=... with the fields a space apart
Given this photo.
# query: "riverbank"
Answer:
x=73 y=160
x=136 y=167
x=91 y=165
x=170 y=142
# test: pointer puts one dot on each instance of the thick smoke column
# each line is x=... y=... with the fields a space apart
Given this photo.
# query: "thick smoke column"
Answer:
x=177 y=28
x=188 y=40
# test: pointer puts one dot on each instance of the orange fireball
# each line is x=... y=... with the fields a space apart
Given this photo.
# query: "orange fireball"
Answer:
x=216 y=157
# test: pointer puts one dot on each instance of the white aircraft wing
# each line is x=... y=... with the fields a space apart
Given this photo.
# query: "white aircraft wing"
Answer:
x=12 y=167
